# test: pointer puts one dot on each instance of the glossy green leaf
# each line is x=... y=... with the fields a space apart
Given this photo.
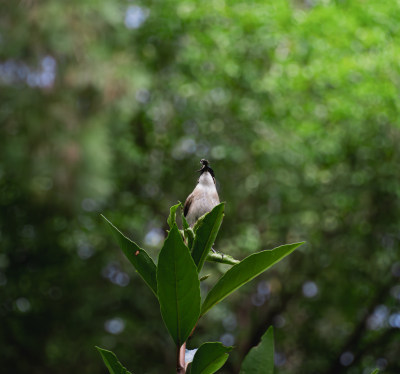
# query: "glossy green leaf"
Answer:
x=376 y=371
x=138 y=257
x=206 y=233
x=112 y=363
x=198 y=222
x=209 y=358
x=189 y=237
x=221 y=258
x=178 y=287
x=244 y=272
x=172 y=215
x=185 y=224
x=188 y=231
x=260 y=359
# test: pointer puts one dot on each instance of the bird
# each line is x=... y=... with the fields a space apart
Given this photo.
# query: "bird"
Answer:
x=204 y=196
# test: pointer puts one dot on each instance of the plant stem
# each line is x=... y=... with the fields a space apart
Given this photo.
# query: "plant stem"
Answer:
x=180 y=359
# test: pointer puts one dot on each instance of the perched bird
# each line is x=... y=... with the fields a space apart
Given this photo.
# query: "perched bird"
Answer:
x=204 y=197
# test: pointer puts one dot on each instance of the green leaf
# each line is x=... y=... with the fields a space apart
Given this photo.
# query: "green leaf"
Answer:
x=188 y=231
x=172 y=215
x=376 y=371
x=189 y=236
x=112 y=363
x=260 y=359
x=244 y=272
x=221 y=258
x=206 y=233
x=178 y=287
x=185 y=224
x=198 y=222
x=209 y=358
x=138 y=257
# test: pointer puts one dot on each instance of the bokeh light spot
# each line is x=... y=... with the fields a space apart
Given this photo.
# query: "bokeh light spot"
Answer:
x=114 y=326
x=394 y=320
x=346 y=358
x=135 y=16
x=154 y=237
x=279 y=321
x=23 y=304
x=189 y=355
x=257 y=299
x=227 y=339
x=230 y=322
x=279 y=359
x=378 y=318
x=310 y=289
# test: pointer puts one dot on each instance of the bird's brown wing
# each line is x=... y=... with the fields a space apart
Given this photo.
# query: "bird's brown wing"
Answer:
x=187 y=205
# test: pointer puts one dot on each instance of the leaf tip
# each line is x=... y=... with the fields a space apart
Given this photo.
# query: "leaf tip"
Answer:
x=105 y=219
x=100 y=350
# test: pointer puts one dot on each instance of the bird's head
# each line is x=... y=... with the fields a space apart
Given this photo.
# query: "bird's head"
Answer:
x=204 y=162
x=205 y=167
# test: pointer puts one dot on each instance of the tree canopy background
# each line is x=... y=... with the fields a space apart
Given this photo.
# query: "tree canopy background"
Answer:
x=107 y=107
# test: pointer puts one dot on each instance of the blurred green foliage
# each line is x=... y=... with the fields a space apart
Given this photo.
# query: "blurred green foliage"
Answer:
x=108 y=107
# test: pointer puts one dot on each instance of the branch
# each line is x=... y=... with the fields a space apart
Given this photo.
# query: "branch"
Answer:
x=180 y=359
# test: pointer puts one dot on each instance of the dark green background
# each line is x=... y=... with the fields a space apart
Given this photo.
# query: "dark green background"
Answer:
x=107 y=107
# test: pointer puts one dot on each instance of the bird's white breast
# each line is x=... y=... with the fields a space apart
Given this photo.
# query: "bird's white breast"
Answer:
x=205 y=198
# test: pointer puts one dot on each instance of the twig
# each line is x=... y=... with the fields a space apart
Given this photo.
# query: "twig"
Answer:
x=180 y=359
